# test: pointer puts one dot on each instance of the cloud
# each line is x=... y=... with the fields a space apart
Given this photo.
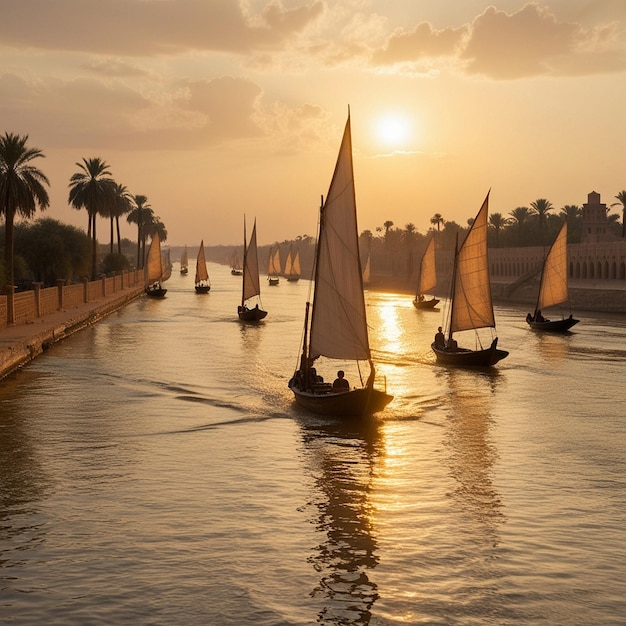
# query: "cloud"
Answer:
x=146 y=27
x=500 y=45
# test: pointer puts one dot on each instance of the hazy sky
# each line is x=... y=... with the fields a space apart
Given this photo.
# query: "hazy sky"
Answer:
x=216 y=108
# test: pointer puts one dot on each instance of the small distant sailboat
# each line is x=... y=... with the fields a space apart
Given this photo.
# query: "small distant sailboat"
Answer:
x=202 y=282
x=273 y=266
x=251 y=287
x=292 y=265
x=427 y=279
x=553 y=289
x=154 y=270
x=235 y=264
x=338 y=320
x=471 y=306
x=184 y=262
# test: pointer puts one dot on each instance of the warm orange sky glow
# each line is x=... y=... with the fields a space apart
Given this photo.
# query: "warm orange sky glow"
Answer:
x=216 y=108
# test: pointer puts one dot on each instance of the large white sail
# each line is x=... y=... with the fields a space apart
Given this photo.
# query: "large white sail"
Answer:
x=201 y=270
x=339 y=324
x=472 y=306
x=554 y=288
x=154 y=263
x=428 y=275
x=251 y=284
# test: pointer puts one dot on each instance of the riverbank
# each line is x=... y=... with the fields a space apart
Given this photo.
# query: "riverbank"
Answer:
x=20 y=343
x=606 y=296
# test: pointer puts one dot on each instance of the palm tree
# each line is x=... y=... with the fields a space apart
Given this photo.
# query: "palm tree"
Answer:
x=541 y=208
x=570 y=212
x=93 y=189
x=621 y=196
x=21 y=192
x=498 y=222
x=437 y=220
x=121 y=206
x=137 y=215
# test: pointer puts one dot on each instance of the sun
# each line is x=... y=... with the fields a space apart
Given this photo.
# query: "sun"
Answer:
x=393 y=130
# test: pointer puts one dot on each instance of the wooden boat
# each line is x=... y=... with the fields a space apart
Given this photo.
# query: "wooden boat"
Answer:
x=202 y=282
x=427 y=278
x=235 y=265
x=184 y=262
x=273 y=266
x=471 y=306
x=292 y=265
x=154 y=270
x=251 y=287
x=337 y=325
x=553 y=289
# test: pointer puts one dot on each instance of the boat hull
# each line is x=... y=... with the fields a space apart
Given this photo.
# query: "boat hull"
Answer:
x=273 y=281
x=156 y=292
x=353 y=403
x=426 y=304
x=251 y=315
x=202 y=288
x=463 y=357
x=553 y=326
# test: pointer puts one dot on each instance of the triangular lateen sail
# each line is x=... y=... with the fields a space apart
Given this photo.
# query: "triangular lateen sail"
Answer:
x=428 y=275
x=154 y=263
x=201 y=270
x=251 y=283
x=554 y=287
x=472 y=307
x=339 y=323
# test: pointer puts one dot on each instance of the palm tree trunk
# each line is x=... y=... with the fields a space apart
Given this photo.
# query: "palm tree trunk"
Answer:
x=112 y=238
x=8 y=259
x=119 y=240
x=94 y=251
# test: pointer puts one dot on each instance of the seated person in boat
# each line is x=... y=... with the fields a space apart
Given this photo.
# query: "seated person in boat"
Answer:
x=452 y=345
x=539 y=317
x=440 y=340
x=340 y=383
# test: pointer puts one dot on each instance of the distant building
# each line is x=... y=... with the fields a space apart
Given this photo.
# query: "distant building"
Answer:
x=595 y=221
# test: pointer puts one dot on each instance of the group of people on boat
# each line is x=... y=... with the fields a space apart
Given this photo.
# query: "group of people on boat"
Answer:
x=307 y=379
x=538 y=317
x=440 y=341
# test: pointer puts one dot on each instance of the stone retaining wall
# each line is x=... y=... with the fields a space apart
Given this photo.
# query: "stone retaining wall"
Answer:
x=38 y=302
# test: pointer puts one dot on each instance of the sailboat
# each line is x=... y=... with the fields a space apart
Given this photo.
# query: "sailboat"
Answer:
x=251 y=287
x=154 y=271
x=553 y=289
x=273 y=266
x=471 y=306
x=235 y=264
x=292 y=265
x=337 y=325
x=427 y=279
x=184 y=262
x=202 y=282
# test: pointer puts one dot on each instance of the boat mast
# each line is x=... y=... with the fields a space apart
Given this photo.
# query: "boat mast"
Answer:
x=453 y=284
x=245 y=254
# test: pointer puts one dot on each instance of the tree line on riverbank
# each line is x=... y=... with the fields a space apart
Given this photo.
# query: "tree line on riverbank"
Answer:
x=23 y=191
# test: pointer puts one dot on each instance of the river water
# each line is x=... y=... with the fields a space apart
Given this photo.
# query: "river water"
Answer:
x=155 y=470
